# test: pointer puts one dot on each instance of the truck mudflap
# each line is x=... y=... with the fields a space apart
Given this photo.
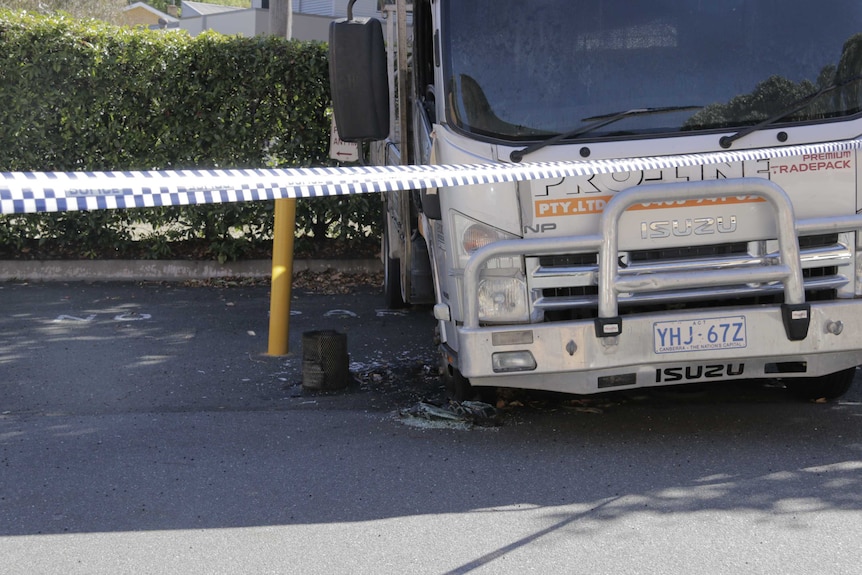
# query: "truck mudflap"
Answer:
x=791 y=339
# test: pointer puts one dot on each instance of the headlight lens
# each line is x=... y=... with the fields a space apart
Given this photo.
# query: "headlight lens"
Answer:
x=503 y=300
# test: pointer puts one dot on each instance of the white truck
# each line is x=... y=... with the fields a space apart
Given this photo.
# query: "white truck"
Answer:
x=730 y=246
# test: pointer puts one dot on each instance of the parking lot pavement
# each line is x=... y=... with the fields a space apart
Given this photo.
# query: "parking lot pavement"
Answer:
x=143 y=429
x=116 y=347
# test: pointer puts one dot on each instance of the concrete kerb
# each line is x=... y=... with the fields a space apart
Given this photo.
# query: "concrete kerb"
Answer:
x=166 y=270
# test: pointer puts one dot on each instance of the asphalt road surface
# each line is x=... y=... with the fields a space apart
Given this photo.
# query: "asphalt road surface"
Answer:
x=143 y=429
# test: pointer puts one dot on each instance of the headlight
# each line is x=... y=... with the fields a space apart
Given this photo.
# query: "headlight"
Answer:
x=502 y=296
x=503 y=300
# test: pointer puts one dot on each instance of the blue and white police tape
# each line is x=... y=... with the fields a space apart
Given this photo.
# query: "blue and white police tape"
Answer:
x=34 y=192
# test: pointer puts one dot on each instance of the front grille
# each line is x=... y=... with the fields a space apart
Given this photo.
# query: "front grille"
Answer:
x=566 y=287
x=689 y=252
x=569 y=260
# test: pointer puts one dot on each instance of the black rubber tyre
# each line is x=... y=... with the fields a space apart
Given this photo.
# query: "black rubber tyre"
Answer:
x=458 y=388
x=391 y=276
x=830 y=386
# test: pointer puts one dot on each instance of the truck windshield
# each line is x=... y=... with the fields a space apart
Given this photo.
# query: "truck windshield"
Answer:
x=527 y=71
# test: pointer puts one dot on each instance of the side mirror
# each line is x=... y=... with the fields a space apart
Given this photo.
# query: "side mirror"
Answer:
x=358 y=79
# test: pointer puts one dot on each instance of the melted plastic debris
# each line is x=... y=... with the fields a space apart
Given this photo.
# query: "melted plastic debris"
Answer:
x=463 y=415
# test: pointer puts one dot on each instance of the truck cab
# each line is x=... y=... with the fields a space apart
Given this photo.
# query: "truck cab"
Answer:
x=707 y=230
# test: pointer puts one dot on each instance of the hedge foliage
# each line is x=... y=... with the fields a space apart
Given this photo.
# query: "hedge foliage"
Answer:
x=84 y=95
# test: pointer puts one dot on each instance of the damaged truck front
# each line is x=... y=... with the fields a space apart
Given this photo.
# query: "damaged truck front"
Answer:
x=717 y=237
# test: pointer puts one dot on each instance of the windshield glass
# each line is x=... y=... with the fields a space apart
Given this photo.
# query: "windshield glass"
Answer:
x=525 y=71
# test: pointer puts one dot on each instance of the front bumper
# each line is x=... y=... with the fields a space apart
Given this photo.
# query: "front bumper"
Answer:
x=570 y=358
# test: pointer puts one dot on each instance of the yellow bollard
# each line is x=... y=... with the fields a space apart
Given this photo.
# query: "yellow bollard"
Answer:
x=284 y=229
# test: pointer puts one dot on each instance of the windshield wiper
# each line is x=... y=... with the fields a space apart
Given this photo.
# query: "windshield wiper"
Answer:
x=604 y=120
x=800 y=104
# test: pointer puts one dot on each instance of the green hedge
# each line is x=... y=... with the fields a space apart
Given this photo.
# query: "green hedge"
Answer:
x=84 y=95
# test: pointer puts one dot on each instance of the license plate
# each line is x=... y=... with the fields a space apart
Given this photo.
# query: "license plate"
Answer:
x=700 y=334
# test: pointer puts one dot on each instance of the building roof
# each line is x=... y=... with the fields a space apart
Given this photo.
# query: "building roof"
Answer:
x=150 y=9
x=192 y=9
x=335 y=8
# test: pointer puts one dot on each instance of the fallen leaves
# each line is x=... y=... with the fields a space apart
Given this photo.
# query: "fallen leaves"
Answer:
x=331 y=282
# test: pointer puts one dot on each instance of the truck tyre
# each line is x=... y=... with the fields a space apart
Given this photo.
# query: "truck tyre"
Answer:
x=391 y=276
x=829 y=386
x=458 y=388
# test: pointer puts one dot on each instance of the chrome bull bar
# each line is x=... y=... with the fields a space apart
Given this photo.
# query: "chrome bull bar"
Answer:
x=611 y=283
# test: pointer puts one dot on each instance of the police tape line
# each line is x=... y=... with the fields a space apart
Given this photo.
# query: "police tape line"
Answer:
x=35 y=192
